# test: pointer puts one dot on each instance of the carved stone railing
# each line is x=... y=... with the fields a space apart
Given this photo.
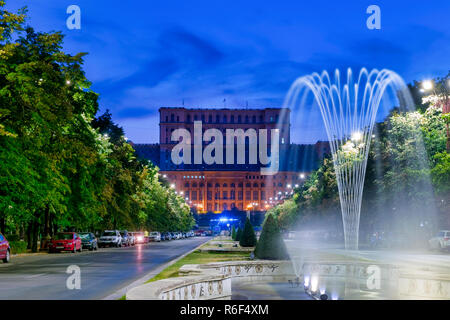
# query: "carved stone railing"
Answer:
x=211 y=281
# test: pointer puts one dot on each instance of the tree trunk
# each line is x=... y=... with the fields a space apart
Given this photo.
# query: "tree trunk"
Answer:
x=46 y=233
x=35 y=235
x=2 y=224
x=29 y=229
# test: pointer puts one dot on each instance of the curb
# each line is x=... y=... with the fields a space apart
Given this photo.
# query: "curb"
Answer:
x=121 y=292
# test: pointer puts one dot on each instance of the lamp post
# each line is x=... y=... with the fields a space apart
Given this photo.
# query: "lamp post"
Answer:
x=444 y=101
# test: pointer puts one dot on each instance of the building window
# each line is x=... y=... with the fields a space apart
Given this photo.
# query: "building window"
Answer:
x=255 y=195
x=232 y=119
x=225 y=194
x=239 y=119
x=217 y=118
x=210 y=119
x=240 y=195
x=194 y=195
x=200 y=195
x=225 y=207
x=216 y=195
x=247 y=195
x=263 y=195
x=209 y=195
x=254 y=119
x=224 y=119
x=232 y=195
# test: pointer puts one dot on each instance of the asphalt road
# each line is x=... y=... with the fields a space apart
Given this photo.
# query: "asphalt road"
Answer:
x=102 y=272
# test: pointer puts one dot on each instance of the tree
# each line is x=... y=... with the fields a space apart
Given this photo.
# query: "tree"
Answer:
x=248 y=237
x=233 y=233
x=270 y=244
x=238 y=234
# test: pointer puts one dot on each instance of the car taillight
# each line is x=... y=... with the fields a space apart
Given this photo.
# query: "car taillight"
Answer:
x=446 y=239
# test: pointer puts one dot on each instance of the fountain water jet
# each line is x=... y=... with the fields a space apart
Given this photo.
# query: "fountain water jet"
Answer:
x=349 y=111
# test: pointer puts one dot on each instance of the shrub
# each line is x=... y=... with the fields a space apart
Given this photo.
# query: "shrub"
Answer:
x=18 y=246
x=238 y=234
x=248 y=237
x=233 y=233
x=271 y=245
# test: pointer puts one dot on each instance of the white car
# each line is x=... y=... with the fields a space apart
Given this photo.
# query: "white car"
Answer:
x=110 y=238
x=154 y=236
x=441 y=241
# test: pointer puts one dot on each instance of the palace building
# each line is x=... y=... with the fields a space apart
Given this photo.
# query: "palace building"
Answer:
x=219 y=187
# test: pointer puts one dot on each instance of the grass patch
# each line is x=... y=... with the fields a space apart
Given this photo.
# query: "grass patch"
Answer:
x=198 y=257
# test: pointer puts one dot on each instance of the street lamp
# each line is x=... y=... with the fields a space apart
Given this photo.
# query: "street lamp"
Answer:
x=356 y=136
x=427 y=85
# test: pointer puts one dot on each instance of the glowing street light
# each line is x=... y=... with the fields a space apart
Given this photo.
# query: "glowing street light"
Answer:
x=427 y=85
x=356 y=136
x=172 y=186
x=302 y=176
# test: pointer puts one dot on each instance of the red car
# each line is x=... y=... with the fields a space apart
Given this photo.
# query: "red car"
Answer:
x=65 y=241
x=5 y=250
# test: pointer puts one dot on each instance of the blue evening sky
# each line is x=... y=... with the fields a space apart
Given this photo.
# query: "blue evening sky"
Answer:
x=149 y=54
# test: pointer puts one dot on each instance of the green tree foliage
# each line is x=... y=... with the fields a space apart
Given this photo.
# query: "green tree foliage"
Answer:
x=61 y=167
x=270 y=245
x=238 y=234
x=248 y=237
x=408 y=173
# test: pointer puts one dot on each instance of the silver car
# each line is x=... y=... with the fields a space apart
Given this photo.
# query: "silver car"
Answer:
x=110 y=238
x=441 y=241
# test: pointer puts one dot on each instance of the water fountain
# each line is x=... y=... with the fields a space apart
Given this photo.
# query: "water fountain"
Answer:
x=349 y=111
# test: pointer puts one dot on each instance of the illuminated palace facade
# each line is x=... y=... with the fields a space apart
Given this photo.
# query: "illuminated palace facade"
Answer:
x=217 y=188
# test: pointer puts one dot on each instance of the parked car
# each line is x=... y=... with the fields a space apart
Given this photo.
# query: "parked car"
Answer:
x=65 y=241
x=5 y=249
x=110 y=238
x=441 y=241
x=132 y=238
x=88 y=240
x=167 y=236
x=126 y=241
x=154 y=236
x=139 y=237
